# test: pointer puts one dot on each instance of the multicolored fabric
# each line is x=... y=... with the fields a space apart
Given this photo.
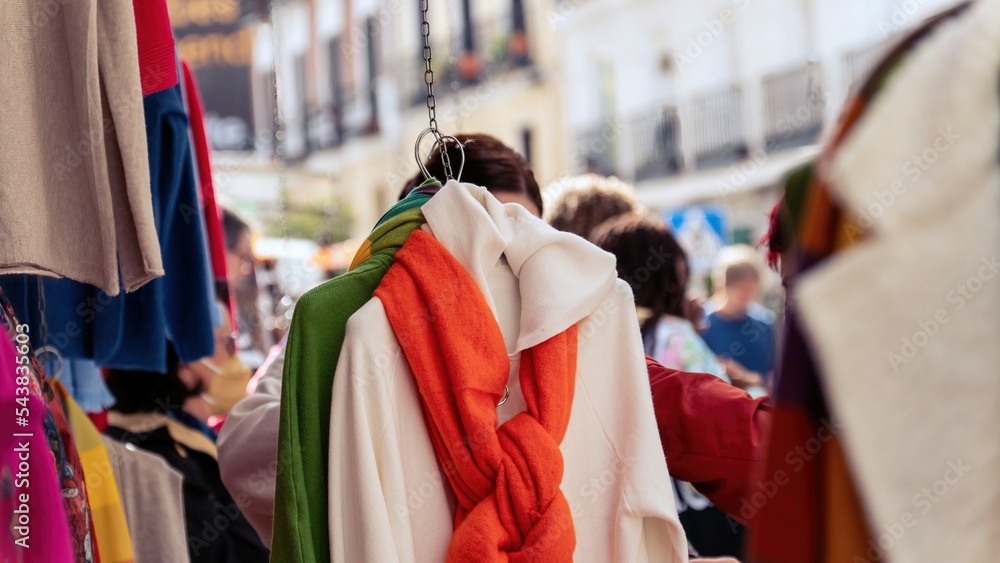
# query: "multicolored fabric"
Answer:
x=110 y=527
x=675 y=344
x=414 y=200
x=817 y=514
x=63 y=449
x=36 y=525
x=301 y=532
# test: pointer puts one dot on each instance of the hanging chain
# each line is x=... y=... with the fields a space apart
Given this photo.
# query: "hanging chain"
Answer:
x=43 y=325
x=280 y=133
x=425 y=31
x=280 y=308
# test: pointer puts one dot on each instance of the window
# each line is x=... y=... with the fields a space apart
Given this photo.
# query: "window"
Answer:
x=371 y=29
x=526 y=142
x=301 y=120
x=336 y=54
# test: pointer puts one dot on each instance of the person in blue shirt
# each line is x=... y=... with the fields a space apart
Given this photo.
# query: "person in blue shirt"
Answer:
x=740 y=331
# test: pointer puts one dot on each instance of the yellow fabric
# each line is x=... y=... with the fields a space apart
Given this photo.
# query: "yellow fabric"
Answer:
x=110 y=527
x=147 y=422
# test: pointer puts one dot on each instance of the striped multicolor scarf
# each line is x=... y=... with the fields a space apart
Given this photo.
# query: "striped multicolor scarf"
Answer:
x=815 y=513
x=301 y=532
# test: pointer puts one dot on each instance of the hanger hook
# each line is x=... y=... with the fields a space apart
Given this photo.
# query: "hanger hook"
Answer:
x=441 y=140
x=416 y=151
x=50 y=349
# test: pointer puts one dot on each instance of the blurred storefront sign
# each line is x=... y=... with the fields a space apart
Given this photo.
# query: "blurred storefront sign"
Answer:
x=213 y=37
x=702 y=231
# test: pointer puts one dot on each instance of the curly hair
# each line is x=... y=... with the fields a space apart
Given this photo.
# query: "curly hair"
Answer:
x=650 y=259
x=488 y=163
x=579 y=204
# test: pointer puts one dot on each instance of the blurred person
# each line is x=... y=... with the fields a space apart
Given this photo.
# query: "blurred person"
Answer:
x=148 y=413
x=241 y=267
x=740 y=331
x=488 y=163
x=655 y=265
x=651 y=260
x=223 y=376
x=717 y=458
x=239 y=250
x=580 y=203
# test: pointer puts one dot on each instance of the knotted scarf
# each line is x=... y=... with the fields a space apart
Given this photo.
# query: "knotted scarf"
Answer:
x=505 y=480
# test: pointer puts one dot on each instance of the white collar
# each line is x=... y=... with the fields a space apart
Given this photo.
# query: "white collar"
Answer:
x=562 y=278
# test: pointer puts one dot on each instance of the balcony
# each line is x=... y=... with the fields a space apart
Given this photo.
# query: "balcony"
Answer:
x=793 y=108
x=596 y=150
x=856 y=65
x=497 y=48
x=718 y=128
x=410 y=72
x=325 y=128
x=707 y=131
x=656 y=143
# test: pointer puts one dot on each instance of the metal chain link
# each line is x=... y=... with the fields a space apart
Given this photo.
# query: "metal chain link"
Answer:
x=425 y=31
x=279 y=309
x=43 y=325
x=279 y=124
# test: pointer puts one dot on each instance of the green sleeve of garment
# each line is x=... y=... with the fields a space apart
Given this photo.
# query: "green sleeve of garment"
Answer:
x=301 y=533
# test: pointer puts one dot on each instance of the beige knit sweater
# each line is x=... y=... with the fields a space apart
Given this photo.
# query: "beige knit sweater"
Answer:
x=75 y=196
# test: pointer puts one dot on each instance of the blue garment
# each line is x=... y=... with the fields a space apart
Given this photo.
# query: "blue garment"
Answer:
x=749 y=341
x=131 y=330
x=84 y=382
x=194 y=423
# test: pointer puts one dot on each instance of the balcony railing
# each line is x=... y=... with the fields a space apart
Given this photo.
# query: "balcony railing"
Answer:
x=856 y=65
x=596 y=150
x=326 y=128
x=793 y=108
x=410 y=72
x=656 y=144
x=497 y=49
x=718 y=128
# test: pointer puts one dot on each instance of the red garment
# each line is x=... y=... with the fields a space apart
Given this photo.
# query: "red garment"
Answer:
x=213 y=217
x=712 y=433
x=505 y=480
x=100 y=419
x=157 y=58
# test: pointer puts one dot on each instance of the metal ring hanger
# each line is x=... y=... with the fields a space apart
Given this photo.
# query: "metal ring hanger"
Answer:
x=440 y=140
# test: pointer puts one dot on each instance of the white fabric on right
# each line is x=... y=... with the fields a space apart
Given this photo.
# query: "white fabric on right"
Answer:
x=906 y=324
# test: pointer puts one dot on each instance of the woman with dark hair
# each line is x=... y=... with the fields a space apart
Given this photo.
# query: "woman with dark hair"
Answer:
x=488 y=163
x=655 y=265
x=651 y=260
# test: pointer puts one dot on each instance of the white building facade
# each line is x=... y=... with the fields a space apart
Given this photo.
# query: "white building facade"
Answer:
x=693 y=102
x=713 y=101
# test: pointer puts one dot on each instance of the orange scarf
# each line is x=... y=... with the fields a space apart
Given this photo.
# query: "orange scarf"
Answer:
x=505 y=480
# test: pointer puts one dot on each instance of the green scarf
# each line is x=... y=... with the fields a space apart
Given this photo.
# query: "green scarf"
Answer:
x=301 y=532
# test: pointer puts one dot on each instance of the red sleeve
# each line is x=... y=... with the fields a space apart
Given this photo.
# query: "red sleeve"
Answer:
x=202 y=154
x=155 y=39
x=712 y=433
